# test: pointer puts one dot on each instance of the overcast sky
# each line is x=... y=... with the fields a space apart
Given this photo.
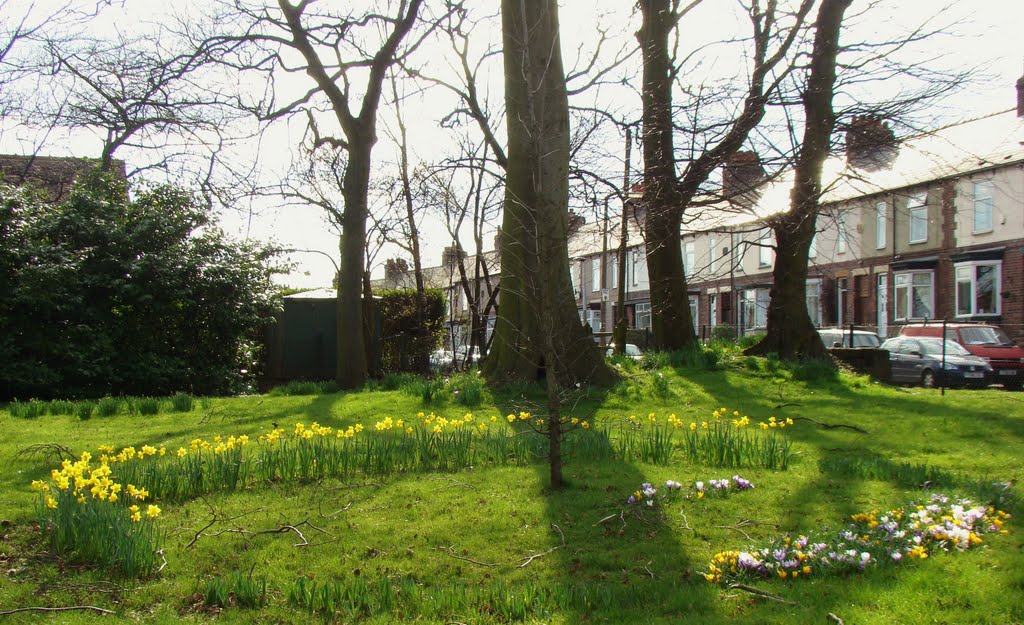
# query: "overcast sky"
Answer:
x=989 y=34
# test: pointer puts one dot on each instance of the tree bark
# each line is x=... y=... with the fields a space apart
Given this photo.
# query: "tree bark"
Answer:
x=790 y=332
x=670 y=309
x=539 y=321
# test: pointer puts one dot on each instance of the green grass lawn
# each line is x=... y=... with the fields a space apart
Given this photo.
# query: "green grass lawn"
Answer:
x=462 y=542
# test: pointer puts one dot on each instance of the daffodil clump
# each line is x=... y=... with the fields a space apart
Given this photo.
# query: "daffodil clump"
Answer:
x=728 y=440
x=90 y=516
x=725 y=439
x=204 y=466
x=871 y=540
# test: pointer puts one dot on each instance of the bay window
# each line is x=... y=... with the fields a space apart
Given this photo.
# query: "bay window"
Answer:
x=977 y=288
x=914 y=291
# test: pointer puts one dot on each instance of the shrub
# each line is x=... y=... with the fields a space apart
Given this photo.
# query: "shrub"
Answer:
x=108 y=406
x=183 y=402
x=749 y=340
x=468 y=389
x=145 y=406
x=429 y=390
x=660 y=384
x=84 y=409
x=61 y=406
x=696 y=357
x=26 y=410
x=652 y=361
x=815 y=371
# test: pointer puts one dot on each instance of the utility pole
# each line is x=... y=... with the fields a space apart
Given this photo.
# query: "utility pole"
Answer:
x=620 y=321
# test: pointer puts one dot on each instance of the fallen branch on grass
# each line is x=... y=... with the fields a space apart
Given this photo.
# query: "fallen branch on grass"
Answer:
x=450 y=551
x=832 y=426
x=832 y=618
x=525 y=561
x=760 y=593
x=62 y=609
x=46 y=450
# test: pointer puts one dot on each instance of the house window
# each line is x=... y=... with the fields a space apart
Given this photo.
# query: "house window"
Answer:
x=983 y=206
x=977 y=288
x=574 y=278
x=615 y=271
x=594 y=319
x=689 y=258
x=812 y=252
x=841 y=233
x=814 y=301
x=754 y=309
x=595 y=274
x=642 y=316
x=880 y=225
x=693 y=312
x=918 y=211
x=713 y=310
x=634 y=266
x=765 y=254
x=712 y=254
x=914 y=291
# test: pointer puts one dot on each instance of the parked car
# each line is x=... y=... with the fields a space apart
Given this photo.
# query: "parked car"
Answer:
x=441 y=360
x=919 y=360
x=632 y=351
x=984 y=341
x=840 y=337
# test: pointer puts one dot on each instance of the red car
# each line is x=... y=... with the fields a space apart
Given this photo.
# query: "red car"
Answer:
x=988 y=342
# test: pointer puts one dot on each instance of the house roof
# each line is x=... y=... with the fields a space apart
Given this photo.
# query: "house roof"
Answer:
x=53 y=174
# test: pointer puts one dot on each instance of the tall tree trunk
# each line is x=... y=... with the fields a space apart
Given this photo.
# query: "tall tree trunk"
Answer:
x=790 y=332
x=351 y=371
x=538 y=321
x=670 y=309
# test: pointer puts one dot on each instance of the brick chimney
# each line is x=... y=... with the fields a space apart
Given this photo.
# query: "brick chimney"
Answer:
x=870 y=143
x=1020 y=97
x=576 y=222
x=395 y=270
x=741 y=175
x=451 y=255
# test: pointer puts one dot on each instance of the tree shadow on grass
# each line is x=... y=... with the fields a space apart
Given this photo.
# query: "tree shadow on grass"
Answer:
x=628 y=561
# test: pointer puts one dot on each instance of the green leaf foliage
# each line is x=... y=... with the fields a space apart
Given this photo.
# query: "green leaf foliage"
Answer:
x=107 y=294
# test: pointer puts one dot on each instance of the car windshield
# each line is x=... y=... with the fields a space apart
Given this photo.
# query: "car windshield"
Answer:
x=860 y=339
x=934 y=348
x=984 y=336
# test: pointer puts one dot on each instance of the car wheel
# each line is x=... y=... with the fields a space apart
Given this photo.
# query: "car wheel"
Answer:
x=928 y=378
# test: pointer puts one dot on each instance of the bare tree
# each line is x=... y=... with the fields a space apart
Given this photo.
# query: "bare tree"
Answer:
x=136 y=91
x=333 y=51
x=667 y=193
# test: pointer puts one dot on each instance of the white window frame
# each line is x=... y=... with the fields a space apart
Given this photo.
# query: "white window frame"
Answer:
x=633 y=265
x=983 y=206
x=765 y=254
x=595 y=274
x=881 y=225
x=689 y=258
x=813 y=301
x=971 y=278
x=695 y=312
x=917 y=215
x=712 y=254
x=842 y=242
x=713 y=310
x=642 y=311
x=614 y=264
x=906 y=291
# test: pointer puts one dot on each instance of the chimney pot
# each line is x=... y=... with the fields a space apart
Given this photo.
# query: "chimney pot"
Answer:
x=741 y=175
